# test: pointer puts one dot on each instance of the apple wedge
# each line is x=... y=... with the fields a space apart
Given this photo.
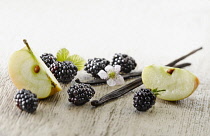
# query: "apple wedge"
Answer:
x=178 y=83
x=28 y=71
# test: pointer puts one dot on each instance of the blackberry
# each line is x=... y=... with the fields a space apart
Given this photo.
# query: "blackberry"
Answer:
x=93 y=66
x=26 y=100
x=126 y=62
x=80 y=93
x=64 y=71
x=48 y=59
x=144 y=99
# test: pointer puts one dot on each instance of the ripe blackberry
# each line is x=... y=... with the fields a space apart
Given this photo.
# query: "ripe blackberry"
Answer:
x=93 y=66
x=64 y=71
x=26 y=100
x=48 y=59
x=126 y=62
x=80 y=93
x=144 y=99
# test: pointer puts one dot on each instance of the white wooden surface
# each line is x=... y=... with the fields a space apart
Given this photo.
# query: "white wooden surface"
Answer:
x=153 y=32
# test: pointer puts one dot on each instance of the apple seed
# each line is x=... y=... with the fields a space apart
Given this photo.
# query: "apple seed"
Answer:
x=170 y=71
x=36 y=69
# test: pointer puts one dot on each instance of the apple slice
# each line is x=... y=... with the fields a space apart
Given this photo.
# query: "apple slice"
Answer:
x=178 y=83
x=28 y=71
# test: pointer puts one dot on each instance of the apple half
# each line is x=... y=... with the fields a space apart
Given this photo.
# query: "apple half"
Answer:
x=28 y=71
x=177 y=83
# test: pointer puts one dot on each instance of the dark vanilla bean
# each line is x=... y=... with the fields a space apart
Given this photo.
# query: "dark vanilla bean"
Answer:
x=117 y=93
x=125 y=89
x=171 y=64
x=183 y=65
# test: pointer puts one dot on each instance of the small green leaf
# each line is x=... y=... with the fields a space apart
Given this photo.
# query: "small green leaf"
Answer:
x=62 y=54
x=78 y=61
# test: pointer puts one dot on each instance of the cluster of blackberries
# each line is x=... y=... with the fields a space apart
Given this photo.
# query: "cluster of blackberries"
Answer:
x=93 y=66
x=48 y=59
x=64 y=71
x=144 y=99
x=80 y=93
x=26 y=100
x=127 y=63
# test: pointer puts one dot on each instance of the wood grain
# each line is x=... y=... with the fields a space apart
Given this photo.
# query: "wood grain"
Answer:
x=56 y=116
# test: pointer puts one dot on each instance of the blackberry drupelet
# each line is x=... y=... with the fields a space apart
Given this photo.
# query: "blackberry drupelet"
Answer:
x=48 y=59
x=144 y=99
x=126 y=62
x=26 y=100
x=64 y=71
x=80 y=93
x=93 y=66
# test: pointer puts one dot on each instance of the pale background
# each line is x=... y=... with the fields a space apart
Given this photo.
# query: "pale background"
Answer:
x=151 y=31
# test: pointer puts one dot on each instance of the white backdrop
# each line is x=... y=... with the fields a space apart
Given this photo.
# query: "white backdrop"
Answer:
x=158 y=30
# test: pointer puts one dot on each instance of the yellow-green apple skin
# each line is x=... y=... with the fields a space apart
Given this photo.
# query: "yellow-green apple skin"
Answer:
x=177 y=83
x=22 y=72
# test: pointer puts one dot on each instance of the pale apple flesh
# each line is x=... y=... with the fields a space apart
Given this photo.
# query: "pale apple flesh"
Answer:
x=178 y=83
x=22 y=72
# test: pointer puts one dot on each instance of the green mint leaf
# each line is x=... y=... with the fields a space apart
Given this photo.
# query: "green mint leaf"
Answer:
x=78 y=61
x=62 y=54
